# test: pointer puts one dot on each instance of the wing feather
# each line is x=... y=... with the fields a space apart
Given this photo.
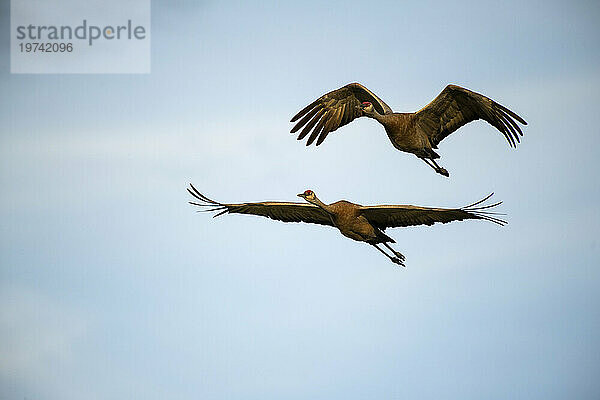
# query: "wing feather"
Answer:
x=306 y=118
x=391 y=216
x=280 y=211
x=312 y=123
x=456 y=106
x=335 y=109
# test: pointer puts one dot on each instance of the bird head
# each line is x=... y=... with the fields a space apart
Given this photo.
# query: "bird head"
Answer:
x=308 y=195
x=367 y=108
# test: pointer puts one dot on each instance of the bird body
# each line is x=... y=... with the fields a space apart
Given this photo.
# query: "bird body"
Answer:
x=357 y=222
x=405 y=136
x=347 y=217
x=418 y=133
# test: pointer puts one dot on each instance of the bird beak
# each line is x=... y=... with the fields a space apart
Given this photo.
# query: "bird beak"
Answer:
x=301 y=195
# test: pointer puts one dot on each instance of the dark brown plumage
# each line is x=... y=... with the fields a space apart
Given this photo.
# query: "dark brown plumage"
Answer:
x=417 y=133
x=360 y=223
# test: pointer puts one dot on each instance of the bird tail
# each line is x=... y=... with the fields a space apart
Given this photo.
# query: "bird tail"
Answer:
x=207 y=204
x=481 y=211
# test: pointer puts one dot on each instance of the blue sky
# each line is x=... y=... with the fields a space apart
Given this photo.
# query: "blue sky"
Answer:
x=112 y=287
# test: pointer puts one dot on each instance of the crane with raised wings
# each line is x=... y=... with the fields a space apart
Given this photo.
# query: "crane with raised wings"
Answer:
x=360 y=223
x=418 y=133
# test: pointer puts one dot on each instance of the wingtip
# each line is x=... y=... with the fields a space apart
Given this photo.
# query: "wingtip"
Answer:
x=480 y=210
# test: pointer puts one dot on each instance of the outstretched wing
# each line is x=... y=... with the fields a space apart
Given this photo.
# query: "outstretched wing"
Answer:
x=286 y=212
x=457 y=106
x=403 y=215
x=335 y=109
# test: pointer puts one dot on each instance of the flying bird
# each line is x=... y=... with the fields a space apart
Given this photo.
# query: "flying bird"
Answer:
x=418 y=133
x=360 y=223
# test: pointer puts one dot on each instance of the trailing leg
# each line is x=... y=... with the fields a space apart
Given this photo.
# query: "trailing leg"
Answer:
x=439 y=169
x=396 y=253
x=431 y=162
x=395 y=260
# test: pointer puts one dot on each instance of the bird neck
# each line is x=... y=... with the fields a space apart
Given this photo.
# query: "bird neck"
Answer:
x=321 y=205
x=375 y=115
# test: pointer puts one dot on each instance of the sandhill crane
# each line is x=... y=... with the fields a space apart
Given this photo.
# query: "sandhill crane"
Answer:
x=360 y=223
x=417 y=133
